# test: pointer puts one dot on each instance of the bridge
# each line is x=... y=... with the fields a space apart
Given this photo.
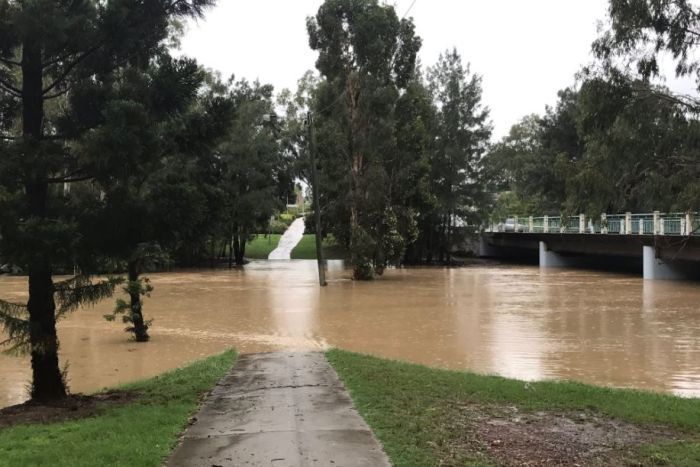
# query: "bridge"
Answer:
x=660 y=245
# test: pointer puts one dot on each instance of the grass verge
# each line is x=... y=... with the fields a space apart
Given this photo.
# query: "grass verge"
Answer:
x=261 y=246
x=141 y=433
x=427 y=416
x=306 y=249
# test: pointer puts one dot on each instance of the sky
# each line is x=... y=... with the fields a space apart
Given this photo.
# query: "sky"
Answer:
x=524 y=50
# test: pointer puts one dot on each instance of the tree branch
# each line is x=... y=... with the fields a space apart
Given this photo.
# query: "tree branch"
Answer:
x=690 y=103
x=9 y=62
x=56 y=94
x=84 y=178
x=7 y=86
x=57 y=60
x=68 y=69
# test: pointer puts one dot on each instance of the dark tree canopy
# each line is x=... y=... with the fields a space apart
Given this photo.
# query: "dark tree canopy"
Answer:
x=642 y=32
x=366 y=57
x=55 y=58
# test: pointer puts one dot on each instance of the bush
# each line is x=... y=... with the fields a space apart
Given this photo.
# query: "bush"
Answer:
x=287 y=218
x=278 y=227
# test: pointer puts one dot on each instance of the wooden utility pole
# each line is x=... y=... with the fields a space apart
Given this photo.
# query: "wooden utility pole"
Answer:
x=316 y=201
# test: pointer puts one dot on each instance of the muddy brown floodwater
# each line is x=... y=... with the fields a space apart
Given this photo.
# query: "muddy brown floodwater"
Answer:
x=516 y=321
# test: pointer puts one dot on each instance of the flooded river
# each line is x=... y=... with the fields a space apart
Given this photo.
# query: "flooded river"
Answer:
x=516 y=321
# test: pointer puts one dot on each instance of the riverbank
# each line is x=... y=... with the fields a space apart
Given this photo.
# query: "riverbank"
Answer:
x=306 y=249
x=427 y=416
x=136 y=424
x=262 y=245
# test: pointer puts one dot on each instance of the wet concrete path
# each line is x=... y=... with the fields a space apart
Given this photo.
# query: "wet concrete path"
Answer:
x=290 y=239
x=279 y=409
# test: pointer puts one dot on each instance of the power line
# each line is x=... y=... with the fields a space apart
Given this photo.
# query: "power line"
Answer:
x=337 y=99
x=409 y=9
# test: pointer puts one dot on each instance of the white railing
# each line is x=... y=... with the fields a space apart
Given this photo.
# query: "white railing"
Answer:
x=656 y=223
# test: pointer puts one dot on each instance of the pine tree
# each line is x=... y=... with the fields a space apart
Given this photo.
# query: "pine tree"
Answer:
x=463 y=132
x=50 y=50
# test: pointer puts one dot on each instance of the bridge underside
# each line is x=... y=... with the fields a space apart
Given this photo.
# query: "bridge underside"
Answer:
x=657 y=257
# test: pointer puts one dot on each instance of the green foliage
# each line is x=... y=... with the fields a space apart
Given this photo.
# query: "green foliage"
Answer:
x=603 y=149
x=641 y=31
x=14 y=319
x=253 y=169
x=649 y=147
x=145 y=207
x=277 y=226
x=69 y=295
x=399 y=155
x=81 y=291
x=64 y=70
x=150 y=425
x=139 y=288
x=366 y=58
x=617 y=142
x=463 y=131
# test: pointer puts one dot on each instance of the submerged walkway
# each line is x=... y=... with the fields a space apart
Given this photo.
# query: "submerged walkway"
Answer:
x=279 y=409
x=291 y=238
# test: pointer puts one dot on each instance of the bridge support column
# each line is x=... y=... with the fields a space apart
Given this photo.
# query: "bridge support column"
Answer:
x=486 y=250
x=657 y=269
x=551 y=259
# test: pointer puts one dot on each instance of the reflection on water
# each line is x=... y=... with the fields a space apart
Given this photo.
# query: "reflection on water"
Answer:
x=516 y=321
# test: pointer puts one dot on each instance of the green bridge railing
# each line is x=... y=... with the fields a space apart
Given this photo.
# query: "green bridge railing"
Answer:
x=656 y=223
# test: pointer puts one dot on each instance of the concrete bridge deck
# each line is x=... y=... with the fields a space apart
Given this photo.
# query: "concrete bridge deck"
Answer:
x=657 y=256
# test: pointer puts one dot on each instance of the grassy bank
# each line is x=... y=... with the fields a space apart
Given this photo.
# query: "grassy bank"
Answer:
x=261 y=246
x=428 y=416
x=140 y=432
x=306 y=249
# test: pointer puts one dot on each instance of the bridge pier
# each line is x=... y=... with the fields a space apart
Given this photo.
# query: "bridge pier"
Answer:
x=672 y=256
x=658 y=269
x=486 y=250
x=552 y=259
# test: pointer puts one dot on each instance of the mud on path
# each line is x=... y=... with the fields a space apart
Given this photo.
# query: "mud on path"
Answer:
x=511 y=437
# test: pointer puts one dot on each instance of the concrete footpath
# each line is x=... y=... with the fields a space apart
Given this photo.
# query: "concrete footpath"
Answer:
x=279 y=409
x=289 y=240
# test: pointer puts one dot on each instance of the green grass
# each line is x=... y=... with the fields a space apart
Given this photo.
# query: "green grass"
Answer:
x=261 y=246
x=141 y=433
x=410 y=408
x=306 y=249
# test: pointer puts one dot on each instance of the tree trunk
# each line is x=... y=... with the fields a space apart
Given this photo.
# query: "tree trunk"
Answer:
x=212 y=253
x=237 y=250
x=430 y=240
x=362 y=268
x=230 y=253
x=47 y=382
x=140 y=327
x=449 y=238
x=241 y=249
